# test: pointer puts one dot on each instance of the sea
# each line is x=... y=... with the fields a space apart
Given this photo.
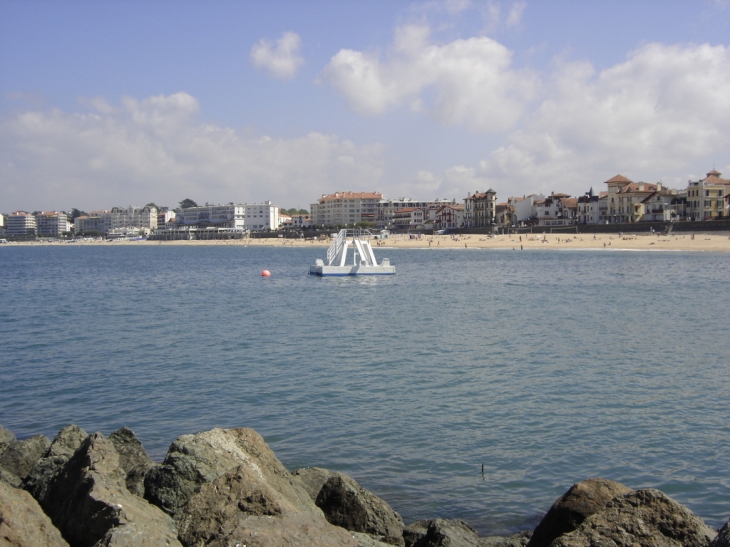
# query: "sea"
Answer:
x=473 y=384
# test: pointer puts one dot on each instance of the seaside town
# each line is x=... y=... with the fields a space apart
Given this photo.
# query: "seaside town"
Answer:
x=620 y=201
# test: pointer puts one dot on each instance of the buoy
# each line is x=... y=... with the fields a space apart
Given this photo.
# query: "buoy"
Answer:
x=266 y=273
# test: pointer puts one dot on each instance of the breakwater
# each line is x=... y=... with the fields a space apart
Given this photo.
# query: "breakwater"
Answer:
x=226 y=487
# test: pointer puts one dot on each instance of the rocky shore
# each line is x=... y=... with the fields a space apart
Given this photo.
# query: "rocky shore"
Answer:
x=225 y=487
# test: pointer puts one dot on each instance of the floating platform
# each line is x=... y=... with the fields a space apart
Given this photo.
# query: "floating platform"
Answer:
x=363 y=259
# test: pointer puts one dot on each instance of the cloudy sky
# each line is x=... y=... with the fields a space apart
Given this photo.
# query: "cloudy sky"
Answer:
x=127 y=102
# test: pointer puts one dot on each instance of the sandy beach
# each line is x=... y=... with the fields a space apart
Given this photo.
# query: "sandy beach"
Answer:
x=715 y=242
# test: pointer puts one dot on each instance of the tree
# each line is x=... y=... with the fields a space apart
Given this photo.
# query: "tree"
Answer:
x=152 y=204
x=187 y=203
x=302 y=212
x=75 y=213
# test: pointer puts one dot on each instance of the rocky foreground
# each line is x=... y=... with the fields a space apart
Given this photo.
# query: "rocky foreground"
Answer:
x=225 y=487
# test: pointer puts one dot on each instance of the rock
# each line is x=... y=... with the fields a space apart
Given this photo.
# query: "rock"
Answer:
x=520 y=539
x=723 y=537
x=256 y=502
x=6 y=437
x=441 y=533
x=89 y=502
x=10 y=478
x=567 y=513
x=364 y=540
x=23 y=522
x=133 y=459
x=345 y=503
x=645 y=518
x=313 y=479
x=241 y=508
x=20 y=456
x=67 y=441
x=194 y=460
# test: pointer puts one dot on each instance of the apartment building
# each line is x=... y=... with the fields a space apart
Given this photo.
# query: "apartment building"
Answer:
x=20 y=224
x=480 y=209
x=117 y=218
x=346 y=208
x=52 y=223
x=242 y=216
x=706 y=197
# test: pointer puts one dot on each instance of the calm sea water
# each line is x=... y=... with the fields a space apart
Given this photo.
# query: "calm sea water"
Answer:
x=545 y=367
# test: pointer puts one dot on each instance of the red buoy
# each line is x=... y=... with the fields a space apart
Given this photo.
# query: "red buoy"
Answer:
x=266 y=273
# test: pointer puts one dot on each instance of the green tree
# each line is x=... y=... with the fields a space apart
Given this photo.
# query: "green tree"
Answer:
x=75 y=213
x=187 y=203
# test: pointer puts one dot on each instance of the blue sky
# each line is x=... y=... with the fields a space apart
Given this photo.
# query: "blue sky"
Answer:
x=118 y=102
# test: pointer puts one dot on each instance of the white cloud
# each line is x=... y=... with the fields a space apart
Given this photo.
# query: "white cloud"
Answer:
x=663 y=110
x=157 y=149
x=473 y=80
x=281 y=61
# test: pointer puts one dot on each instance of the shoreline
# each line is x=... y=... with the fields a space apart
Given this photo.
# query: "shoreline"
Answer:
x=712 y=242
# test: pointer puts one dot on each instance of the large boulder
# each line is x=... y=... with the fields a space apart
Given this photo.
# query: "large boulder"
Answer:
x=345 y=503
x=64 y=445
x=23 y=522
x=723 y=537
x=242 y=508
x=441 y=533
x=520 y=539
x=89 y=502
x=133 y=459
x=580 y=501
x=193 y=460
x=645 y=518
x=19 y=457
x=313 y=479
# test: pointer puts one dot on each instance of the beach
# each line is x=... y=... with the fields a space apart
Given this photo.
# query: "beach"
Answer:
x=712 y=242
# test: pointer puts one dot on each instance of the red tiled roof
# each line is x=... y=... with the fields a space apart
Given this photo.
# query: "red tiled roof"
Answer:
x=353 y=195
x=619 y=178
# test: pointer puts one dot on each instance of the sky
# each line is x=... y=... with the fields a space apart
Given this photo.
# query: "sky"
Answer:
x=118 y=102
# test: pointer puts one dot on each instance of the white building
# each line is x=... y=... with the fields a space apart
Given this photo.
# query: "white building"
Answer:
x=2 y=225
x=284 y=219
x=116 y=218
x=524 y=207
x=52 y=223
x=20 y=224
x=410 y=218
x=242 y=216
x=449 y=216
x=556 y=210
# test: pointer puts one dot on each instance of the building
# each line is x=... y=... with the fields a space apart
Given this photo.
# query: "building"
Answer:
x=20 y=224
x=242 y=216
x=706 y=197
x=410 y=218
x=164 y=216
x=449 y=216
x=2 y=225
x=504 y=215
x=386 y=208
x=556 y=210
x=524 y=207
x=301 y=221
x=588 y=207
x=53 y=223
x=117 y=218
x=284 y=219
x=343 y=208
x=480 y=209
